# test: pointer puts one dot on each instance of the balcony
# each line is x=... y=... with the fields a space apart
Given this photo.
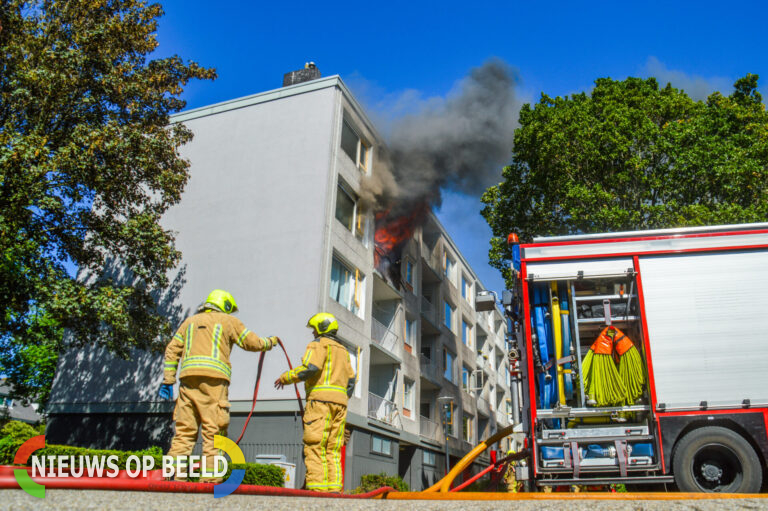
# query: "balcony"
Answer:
x=384 y=337
x=483 y=406
x=429 y=370
x=501 y=418
x=383 y=410
x=430 y=429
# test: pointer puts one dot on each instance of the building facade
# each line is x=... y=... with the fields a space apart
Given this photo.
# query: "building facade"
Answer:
x=272 y=214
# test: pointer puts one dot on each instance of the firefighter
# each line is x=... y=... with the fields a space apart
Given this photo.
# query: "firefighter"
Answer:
x=203 y=344
x=326 y=371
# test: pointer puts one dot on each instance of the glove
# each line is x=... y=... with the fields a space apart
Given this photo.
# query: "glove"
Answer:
x=166 y=391
x=273 y=340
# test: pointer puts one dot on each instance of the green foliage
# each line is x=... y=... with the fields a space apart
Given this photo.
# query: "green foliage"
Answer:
x=19 y=431
x=255 y=473
x=88 y=164
x=261 y=474
x=9 y=446
x=632 y=156
x=370 y=482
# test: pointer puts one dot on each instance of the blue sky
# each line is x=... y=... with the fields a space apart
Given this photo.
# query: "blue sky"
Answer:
x=404 y=54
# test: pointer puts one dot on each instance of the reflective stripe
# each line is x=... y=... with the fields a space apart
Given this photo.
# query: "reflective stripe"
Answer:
x=334 y=388
x=178 y=337
x=328 y=365
x=204 y=365
x=216 y=340
x=210 y=362
x=337 y=451
x=242 y=336
x=307 y=357
x=171 y=366
x=190 y=330
x=324 y=447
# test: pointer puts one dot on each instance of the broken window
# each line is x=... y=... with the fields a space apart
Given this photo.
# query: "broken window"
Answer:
x=348 y=211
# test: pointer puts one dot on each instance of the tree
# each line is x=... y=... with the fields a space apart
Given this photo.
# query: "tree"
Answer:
x=88 y=164
x=629 y=156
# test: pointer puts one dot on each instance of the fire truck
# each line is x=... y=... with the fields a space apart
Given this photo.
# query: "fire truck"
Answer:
x=693 y=304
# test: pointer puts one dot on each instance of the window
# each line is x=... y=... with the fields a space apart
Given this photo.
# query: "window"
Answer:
x=381 y=445
x=449 y=310
x=466 y=333
x=346 y=286
x=355 y=147
x=425 y=410
x=408 y=387
x=409 y=271
x=348 y=211
x=449 y=267
x=466 y=428
x=466 y=379
x=448 y=359
x=466 y=288
x=428 y=458
x=410 y=329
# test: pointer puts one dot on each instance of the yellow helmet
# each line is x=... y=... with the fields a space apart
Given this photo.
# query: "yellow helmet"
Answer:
x=323 y=323
x=221 y=300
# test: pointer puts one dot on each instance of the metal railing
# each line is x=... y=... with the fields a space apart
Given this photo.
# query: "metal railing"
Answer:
x=383 y=410
x=384 y=336
x=430 y=429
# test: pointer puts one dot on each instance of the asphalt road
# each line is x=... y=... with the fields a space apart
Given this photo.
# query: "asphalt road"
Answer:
x=118 y=500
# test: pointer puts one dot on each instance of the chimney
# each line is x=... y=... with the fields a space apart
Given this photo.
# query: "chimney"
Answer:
x=310 y=72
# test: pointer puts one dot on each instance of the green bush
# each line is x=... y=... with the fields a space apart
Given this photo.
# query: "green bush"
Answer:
x=256 y=473
x=370 y=482
x=18 y=431
x=8 y=448
x=261 y=474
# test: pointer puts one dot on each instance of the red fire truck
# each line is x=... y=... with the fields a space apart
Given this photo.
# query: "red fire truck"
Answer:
x=693 y=408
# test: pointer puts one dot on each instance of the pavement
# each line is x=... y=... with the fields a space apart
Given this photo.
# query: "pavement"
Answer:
x=17 y=500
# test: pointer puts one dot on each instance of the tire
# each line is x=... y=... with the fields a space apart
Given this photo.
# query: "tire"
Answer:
x=716 y=460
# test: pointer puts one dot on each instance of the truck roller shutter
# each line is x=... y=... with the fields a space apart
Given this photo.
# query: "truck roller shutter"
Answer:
x=707 y=317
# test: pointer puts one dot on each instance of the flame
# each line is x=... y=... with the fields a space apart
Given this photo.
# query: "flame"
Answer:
x=392 y=232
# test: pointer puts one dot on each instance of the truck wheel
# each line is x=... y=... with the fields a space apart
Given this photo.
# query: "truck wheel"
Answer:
x=715 y=459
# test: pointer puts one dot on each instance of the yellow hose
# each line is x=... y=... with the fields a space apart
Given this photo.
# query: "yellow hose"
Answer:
x=557 y=330
x=444 y=484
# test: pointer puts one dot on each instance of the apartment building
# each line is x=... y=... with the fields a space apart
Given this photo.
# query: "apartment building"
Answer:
x=271 y=213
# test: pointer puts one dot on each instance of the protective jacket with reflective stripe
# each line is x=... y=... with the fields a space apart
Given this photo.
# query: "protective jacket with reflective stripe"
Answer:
x=203 y=343
x=326 y=371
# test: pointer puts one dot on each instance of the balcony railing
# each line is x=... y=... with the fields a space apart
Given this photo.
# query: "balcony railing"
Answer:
x=383 y=410
x=384 y=336
x=430 y=429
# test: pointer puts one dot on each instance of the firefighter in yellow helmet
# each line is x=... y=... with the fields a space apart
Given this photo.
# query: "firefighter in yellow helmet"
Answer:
x=326 y=371
x=202 y=345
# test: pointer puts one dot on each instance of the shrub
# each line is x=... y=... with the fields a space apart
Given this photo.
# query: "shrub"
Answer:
x=18 y=431
x=370 y=482
x=256 y=473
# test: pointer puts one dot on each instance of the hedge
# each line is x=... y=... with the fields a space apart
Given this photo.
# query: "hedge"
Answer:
x=15 y=433
x=370 y=482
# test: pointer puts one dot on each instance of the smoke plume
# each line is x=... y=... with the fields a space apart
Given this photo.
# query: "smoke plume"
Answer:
x=460 y=142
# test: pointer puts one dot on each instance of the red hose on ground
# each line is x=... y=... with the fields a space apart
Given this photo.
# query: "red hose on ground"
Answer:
x=154 y=482
x=256 y=389
x=480 y=474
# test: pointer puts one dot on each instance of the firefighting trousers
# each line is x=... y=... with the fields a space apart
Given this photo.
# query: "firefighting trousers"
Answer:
x=323 y=438
x=202 y=404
